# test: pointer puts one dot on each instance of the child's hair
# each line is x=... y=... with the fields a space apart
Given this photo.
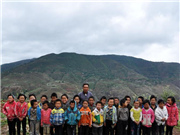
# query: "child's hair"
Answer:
x=136 y=100
x=160 y=101
x=21 y=95
x=141 y=97
x=122 y=101
x=111 y=99
x=152 y=96
x=72 y=101
x=103 y=97
x=32 y=95
x=172 y=99
x=65 y=96
x=58 y=100
x=10 y=95
x=78 y=97
x=32 y=102
x=98 y=102
x=46 y=102
x=85 y=101
x=127 y=97
x=146 y=101
x=91 y=97
x=53 y=95
x=116 y=98
x=44 y=96
x=85 y=84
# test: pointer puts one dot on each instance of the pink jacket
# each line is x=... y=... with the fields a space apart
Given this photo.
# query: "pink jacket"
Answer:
x=147 y=117
x=21 y=109
x=173 y=114
x=45 y=116
x=9 y=109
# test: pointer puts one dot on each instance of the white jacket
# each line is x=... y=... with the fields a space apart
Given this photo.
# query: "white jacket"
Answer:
x=160 y=114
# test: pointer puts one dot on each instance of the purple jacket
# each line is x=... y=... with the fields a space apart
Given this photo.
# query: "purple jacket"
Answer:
x=84 y=96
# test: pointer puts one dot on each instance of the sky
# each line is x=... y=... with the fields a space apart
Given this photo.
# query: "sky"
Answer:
x=147 y=30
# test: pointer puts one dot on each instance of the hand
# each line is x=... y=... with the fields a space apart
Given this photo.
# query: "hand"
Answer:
x=163 y=119
x=90 y=126
x=105 y=124
x=177 y=123
x=114 y=124
x=138 y=122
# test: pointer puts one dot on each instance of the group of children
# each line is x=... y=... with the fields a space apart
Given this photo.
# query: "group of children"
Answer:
x=64 y=117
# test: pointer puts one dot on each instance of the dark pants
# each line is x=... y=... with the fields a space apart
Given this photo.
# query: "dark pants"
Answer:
x=108 y=128
x=58 y=129
x=51 y=130
x=161 y=129
x=23 y=122
x=40 y=129
x=129 y=126
x=90 y=131
x=11 y=125
x=169 y=130
x=71 y=130
x=146 y=130
x=65 y=129
x=140 y=129
x=97 y=130
x=115 y=130
x=122 y=127
x=154 y=128
x=84 y=130
x=135 y=128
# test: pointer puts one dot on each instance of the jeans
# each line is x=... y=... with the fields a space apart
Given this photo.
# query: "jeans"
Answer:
x=122 y=127
x=169 y=130
x=97 y=130
x=146 y=130
x=135 y=128
x=58 y=129
x=161 y=129
x=84 y=130
x=108 y=128
x=23 y=122
x=34 y=127
x=154 y=128
x=11 y=125
x=71 y=130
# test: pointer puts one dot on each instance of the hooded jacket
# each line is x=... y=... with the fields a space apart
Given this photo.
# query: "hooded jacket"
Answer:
x=38 y=113
x=97 y=118
x=9 y=109
x=21 y=109
x=57 y=116
x=160 y=114
x=114 y=116
x=86 y=117
x=147 y=117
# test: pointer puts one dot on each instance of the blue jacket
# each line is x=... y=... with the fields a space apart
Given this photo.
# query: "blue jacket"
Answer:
x=72 y=116
x=38 y=113
x=57 y=116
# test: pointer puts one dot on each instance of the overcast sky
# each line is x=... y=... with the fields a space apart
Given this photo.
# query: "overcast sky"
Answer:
x=144 y=30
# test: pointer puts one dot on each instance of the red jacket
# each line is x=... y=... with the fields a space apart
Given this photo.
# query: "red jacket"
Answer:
x=173 y=114
x=9 y=109
x=45 y=116
x=21 y=109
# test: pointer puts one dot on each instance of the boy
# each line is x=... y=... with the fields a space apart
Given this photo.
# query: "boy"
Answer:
x=72 y=116
x=43 y=98
x=147 y=118
x=9 y=109
x=153 y=106
x=161 y=115
x=110 y=117
x=103 y=101
x=136 y=117
x=34 y=114
x=97 y=118
x=57 y=117
x=123 y=115
x=141 y=100
x=31 y=97
x=21 y=112
x=117 y=105
x=86 y=119
x=91 y=103
x=78 y=100
x=45 y=118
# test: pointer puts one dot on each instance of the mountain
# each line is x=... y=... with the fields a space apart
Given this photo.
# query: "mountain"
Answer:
x=109 y=75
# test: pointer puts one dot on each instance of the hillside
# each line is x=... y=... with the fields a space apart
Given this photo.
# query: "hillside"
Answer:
x=109 y=75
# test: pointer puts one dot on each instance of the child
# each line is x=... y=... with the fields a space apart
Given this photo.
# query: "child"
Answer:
x=91 y=103
x=136 y=117
x=21 y=112
x=153 y=106
x=43 y=98
x=57 y=117
x=110 y=117
x=31 y=97
x=78 y=100
x=72 y=116
x=86 y=119
x=123 y=115
x=141 y=100
x=173 y=115
x=161 y=115
x=117 y=105
x=103 y=101
x=34 y=114
x=147 y=118
x=9 y=109
x=97 y=118
x=45 y=118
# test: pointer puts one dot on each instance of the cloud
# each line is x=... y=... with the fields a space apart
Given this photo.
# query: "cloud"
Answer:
x=136 y=29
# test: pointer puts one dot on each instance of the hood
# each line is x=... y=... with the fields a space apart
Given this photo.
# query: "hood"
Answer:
x=75 y=107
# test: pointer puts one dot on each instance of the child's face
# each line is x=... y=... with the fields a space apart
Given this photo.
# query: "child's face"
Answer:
x=64 y=99
x=53 y=98
x=31 y=98
x=98 y=106
x=10 y=99
x=45 y=106
x=77 y=99
x=136 y=104
x=116 y=101
x=85 y=104
x=21 y=99
x=140 y=100
x=169 y=101
x=153 y=101
x=35 y=105
x=161 y=105
x=128 y=100
x=72 y=105
x=110 y=102
x=43 y=99
x=103 y=101
x=146 y=106
x=125 y=104
x=91 y=101
x=58 y=104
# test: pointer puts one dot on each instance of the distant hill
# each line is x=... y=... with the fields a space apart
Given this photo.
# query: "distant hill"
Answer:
x=109 y=75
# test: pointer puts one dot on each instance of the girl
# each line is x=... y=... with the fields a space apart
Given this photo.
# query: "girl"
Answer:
x=78 y=100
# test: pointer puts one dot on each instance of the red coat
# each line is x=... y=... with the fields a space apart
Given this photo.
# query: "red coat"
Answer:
x=45 y=116
x=9 y=109
x=173 y=114
x=21 y=109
